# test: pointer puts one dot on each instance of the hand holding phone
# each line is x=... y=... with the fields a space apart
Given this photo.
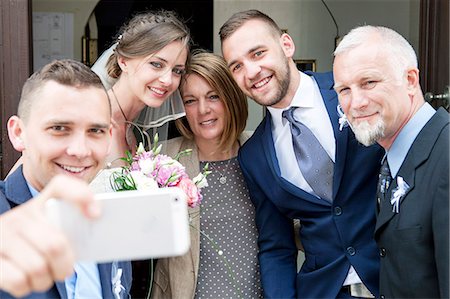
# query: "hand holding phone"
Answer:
x=133 y=225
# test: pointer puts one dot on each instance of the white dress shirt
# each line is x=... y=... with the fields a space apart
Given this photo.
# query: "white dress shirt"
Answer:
x=313 y=114
x=404 y=140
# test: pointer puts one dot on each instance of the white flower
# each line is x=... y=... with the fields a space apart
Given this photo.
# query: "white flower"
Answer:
x=142 y=181
x=146 y=165
x=343 y=121
x=117 y=286
x=398 y=193
x=200 y=180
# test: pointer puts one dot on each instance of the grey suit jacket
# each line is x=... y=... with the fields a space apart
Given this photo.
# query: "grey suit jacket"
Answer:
x=414 y=243
x=176 y=277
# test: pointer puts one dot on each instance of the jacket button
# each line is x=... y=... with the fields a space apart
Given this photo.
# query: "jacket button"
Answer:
x=382 y=252
x=351 y=250
x=382 y=297
x=337 y=211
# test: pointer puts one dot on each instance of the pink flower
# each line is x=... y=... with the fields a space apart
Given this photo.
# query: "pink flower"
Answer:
x=150 y=169
x=168 y=172
x=192 y=192
x=168 y=177
x=135 y=166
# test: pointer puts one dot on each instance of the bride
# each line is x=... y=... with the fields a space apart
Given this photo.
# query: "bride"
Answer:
x=142 y=72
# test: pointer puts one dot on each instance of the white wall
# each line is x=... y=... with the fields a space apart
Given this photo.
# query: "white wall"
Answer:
x=81 y=10
x=313 y=30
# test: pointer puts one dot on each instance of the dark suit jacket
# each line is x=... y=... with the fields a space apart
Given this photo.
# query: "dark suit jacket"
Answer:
x=13 y=192
x=414 y=244
x=334 y=235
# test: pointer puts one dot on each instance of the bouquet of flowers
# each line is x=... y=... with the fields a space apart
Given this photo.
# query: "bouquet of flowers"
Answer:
x=151 y=169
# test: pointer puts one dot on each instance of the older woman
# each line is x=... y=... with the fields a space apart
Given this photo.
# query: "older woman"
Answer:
x=222 y=261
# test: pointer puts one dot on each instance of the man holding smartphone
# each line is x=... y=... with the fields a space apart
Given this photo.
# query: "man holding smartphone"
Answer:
x=63 y=126
x=33 y=252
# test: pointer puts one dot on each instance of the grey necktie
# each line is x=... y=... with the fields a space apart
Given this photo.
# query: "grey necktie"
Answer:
x=315 y=164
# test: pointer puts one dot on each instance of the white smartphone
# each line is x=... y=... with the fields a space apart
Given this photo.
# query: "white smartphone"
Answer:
x=134 y=225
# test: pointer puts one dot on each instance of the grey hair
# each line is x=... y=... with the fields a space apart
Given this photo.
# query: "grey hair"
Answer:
x=402 y=53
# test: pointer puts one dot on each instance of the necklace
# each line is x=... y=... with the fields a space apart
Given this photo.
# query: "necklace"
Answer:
x=128 y=133
x=223 y=176
x=118 y=104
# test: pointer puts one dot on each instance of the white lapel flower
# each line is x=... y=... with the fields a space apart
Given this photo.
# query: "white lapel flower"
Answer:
x=343 y=121
x=117 y=286
x=398 y=193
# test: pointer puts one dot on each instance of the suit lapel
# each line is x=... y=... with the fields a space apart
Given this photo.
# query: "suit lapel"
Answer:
x=268 y=146
x=341 y=137
x=386 y=212
x=271 y=157
x=105 y=279
x=61 y=286
x=16 y=188
x=419 y=152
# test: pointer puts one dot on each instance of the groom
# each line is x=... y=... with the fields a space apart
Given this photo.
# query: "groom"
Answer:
x=63 y=126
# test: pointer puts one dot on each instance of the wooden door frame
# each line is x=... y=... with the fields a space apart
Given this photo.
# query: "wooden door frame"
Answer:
x=434 y=45
x=15 y=67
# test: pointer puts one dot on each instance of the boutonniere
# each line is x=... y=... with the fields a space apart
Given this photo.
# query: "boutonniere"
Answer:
x=398 y=193
x=343 y=121
x=117 y=286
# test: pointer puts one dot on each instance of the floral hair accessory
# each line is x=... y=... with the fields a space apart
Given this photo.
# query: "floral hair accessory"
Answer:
x=343 y=121
x=398 y=193
x=151 y=169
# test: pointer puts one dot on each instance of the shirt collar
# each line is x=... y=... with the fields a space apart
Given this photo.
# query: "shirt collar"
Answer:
x=33 y=191
x=303 y=98
x=401 y=145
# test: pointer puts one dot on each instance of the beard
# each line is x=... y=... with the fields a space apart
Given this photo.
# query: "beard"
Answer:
x=283 y=76
x=369 y=134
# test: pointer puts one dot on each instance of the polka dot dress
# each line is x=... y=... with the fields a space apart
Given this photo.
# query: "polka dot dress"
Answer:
x=228 y=242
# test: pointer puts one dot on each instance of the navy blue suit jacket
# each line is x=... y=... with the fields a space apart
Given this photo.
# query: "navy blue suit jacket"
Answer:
x=13 y=192
x=334 y=235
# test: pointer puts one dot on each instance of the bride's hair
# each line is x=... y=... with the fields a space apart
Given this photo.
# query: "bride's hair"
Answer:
x=145 y=34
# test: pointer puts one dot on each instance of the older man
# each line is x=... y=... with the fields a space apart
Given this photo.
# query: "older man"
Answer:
x=377 y=80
